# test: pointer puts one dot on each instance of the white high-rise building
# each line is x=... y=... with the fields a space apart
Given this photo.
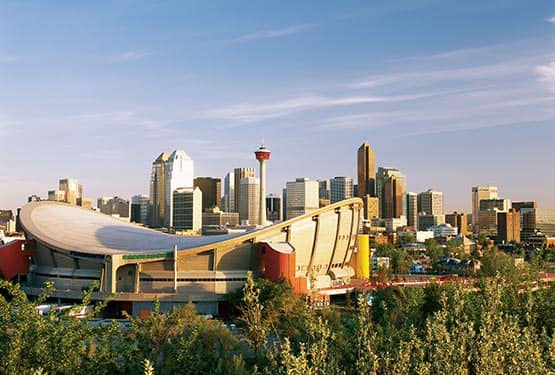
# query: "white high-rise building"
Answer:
x=249 y=190
x=479 y=193
x=179 y=173
x=301 y=197
x=229 y=193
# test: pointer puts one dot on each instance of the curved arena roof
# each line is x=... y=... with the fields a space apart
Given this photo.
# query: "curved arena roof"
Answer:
x=70 y=228
x=66 y=227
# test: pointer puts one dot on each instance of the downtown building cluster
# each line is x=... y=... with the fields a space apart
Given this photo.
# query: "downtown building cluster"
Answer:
x=179 y=202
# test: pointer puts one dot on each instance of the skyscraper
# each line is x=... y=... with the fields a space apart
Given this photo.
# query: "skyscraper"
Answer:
x=229 y=193
x=430 y=202
x=178 y=174
x=366 y=170
x=391 y=189
x=211 y=191
x=341 y=188
x=238 y=175
x=249 y=200
x=158 y=190
x=479 y=193
x=273 y=208
x=301 y=197
x=412 y=210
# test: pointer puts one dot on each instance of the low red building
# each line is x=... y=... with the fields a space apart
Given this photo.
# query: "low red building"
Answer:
x=14 y=258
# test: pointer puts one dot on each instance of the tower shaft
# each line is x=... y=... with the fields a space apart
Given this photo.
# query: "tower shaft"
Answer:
x=262 y=204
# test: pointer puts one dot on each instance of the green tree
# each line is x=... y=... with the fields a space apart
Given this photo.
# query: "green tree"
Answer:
x=251 y=314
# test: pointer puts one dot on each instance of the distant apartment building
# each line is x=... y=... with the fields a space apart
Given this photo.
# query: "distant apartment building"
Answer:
x=249 y=201
x=140 y=209
x=115 y=206
x=187 y=210
x=33 y=198
x=459 y=221
x=508 y=226
x=480 y=193
x=341 y=188
x=211 y=191
x=301 y=197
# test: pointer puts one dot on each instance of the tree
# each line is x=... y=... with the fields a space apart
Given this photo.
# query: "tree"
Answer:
x=251 y=314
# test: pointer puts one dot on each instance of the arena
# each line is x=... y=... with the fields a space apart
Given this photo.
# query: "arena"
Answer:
x=75 y=247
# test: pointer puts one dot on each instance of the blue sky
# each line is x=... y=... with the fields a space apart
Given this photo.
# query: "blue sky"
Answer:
x=453 y=93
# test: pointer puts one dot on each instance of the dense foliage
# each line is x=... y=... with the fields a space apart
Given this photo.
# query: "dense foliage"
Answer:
x=495 y=327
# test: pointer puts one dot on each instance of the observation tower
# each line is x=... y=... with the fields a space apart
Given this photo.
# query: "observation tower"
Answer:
x=262 y=155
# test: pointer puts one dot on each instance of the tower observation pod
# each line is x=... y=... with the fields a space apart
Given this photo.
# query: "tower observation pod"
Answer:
x=262 y=155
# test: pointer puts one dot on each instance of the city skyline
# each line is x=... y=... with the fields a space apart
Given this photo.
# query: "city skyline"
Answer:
x=453 y=95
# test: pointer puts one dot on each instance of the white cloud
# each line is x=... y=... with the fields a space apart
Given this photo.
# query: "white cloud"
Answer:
x=248 y=112
x=128 y=56
x=445 y=75
x=551 y=19
x=546 y=74
x=275 y=33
